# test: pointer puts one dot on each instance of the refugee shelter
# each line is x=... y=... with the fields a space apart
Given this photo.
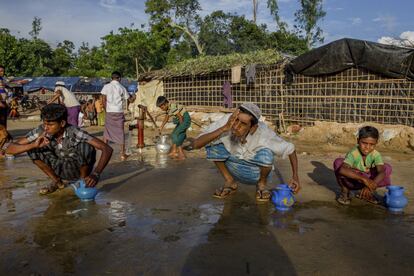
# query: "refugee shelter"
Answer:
x=344 y=81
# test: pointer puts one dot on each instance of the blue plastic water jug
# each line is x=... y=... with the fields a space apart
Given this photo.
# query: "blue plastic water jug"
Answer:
x=83 y=192
x=283 y=197
x=395 y=199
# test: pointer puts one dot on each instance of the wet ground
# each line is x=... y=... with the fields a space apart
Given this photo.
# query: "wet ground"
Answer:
x=155 y=216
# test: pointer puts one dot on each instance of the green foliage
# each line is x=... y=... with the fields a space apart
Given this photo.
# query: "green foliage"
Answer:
x=206 y=64
x=225 y=33
x=90 y=63
x=63 y=58
x=176 y=35
x=307 y=18
x=288 y=43
x=9 y=49
x=36 y=27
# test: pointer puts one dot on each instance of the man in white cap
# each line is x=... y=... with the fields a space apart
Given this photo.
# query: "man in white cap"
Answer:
x=68 y=99
x=243 y=148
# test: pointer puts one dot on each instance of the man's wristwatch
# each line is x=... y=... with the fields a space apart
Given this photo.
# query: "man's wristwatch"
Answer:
x=96 y=175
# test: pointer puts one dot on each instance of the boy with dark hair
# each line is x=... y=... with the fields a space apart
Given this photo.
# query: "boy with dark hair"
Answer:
x=62 y=151
x=183 y=121
x=362 y=169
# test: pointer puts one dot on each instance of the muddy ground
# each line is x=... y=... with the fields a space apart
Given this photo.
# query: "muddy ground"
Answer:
x=155 y=216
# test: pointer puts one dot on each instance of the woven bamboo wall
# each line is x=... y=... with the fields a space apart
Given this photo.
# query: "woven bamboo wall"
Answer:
x=354 y=95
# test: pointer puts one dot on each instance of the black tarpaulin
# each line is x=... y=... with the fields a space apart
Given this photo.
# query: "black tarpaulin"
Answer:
x=387 y=60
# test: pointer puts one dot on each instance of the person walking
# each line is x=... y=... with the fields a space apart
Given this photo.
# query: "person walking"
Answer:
x=114 y=95
x=68 y=99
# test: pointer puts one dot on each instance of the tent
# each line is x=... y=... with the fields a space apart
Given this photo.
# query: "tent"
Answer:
x=386 y=60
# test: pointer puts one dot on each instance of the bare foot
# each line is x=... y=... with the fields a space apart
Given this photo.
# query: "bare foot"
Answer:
x=181 y=157
x=124 y=157
x=172 y=154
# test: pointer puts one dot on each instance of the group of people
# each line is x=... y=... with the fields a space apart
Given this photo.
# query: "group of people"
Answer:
x=242 y=147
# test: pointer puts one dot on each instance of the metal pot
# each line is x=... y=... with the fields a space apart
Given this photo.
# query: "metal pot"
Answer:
x=163 y=144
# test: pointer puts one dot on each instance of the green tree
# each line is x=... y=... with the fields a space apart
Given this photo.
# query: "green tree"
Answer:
x=9 y=49
x=288 y=43
x=273 y=6
x=90 y=62
x=63 y=58
x=35 y=58
x=215 y=33
x=168 y=16
x=136 y=44
x=307 y=18
x=36 y=27
x=224 y=33
x=247 y=36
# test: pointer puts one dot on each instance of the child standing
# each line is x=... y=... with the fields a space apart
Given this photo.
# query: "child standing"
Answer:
x=362 y=169
x=90 y=107
x=181 y=119
x=13 y=109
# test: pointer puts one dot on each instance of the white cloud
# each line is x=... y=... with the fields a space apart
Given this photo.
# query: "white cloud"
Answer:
x=406 y=39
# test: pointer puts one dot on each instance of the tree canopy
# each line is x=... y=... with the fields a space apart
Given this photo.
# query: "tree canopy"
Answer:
x=176 y=32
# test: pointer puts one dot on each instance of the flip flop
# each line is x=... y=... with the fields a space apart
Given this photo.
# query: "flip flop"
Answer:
x=51 y=188
x=344 y=200
x=224 y=192
x=263 y=195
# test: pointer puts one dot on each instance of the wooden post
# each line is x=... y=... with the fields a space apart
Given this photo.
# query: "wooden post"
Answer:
x=136 y=67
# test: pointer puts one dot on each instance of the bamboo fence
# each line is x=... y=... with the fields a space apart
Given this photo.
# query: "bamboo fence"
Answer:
x=354 y=95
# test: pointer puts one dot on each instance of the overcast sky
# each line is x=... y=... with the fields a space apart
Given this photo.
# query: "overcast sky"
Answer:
x=89 y=20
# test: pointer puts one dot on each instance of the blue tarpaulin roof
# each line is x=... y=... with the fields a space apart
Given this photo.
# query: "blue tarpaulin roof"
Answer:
x=49 y=83
x=75 y=84
x=95 y=85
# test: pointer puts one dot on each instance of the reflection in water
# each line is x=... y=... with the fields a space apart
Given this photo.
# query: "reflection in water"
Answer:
x=67 y=226
x=239 y=243
x=148 y=155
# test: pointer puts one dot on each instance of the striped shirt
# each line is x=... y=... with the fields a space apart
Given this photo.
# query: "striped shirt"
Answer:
x=355 y=160
x=71 y=138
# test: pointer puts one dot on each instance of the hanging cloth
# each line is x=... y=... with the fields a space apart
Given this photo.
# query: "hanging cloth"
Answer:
x=235 y=74
x=250 y=73
x=228 y=98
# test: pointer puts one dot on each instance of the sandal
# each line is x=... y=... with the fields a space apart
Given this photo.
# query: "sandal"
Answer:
x=51 y=188
x=263 y=195
x=225 y=191
x=343 y=199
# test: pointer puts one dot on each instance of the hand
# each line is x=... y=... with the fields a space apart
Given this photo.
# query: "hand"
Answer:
x=232 y=120
x=41 y=142
x=91 y=180
x=365 y=193
x=370 y=184
x=294 y=184
x=143 y=107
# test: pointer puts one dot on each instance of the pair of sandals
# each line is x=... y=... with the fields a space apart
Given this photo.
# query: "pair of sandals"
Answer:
x=262 y=195
x=51 y=188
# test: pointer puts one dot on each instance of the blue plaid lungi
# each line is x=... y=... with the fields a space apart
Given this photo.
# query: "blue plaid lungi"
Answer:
x=246 y=171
